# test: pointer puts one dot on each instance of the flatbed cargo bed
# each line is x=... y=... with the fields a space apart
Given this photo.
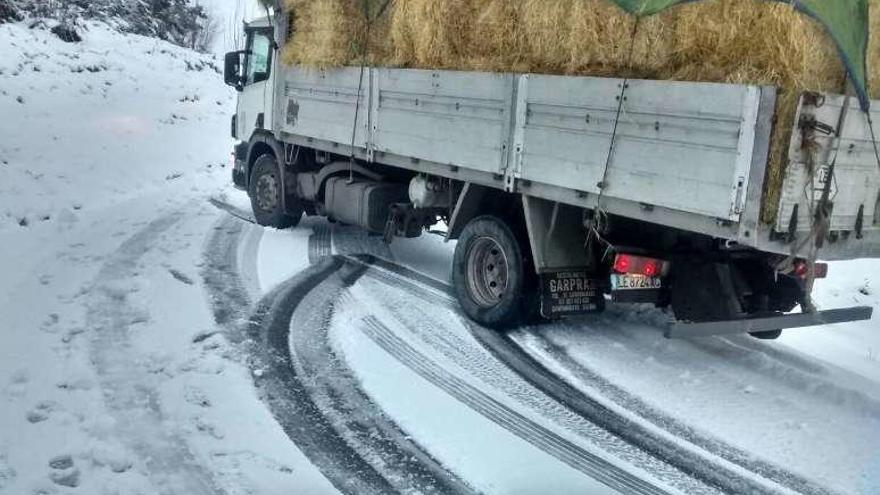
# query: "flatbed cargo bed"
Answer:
x=692 y=156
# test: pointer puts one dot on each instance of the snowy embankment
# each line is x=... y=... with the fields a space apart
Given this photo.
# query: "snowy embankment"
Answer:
x=854 y=346
x=89 y=124
x=113 y=377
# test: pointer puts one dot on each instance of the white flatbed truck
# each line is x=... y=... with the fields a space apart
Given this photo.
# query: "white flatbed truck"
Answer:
x=564 y=190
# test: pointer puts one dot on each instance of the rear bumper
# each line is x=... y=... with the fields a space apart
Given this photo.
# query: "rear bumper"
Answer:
x=768 y=324
x=659 y=297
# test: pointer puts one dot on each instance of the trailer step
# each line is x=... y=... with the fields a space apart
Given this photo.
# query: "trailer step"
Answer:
x=681 y=330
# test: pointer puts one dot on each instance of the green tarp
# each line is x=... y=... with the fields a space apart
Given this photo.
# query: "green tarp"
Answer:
x=845 y=20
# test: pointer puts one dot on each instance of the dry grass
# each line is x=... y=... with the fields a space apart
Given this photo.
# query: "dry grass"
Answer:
x=331 y=33
x=318 y=25
x=732 y=41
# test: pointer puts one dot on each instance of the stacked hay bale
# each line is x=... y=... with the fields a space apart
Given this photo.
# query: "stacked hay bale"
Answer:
x=332 y=33
x=732 y=41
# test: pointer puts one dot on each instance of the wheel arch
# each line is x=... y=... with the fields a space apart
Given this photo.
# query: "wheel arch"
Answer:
x=477 y=201
x=262 y=143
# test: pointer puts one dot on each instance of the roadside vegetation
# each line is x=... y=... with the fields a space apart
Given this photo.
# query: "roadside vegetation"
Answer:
x=185 y=23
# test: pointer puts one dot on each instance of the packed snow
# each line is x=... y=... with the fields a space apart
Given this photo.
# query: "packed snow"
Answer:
x=114 y=377
x=854 y=346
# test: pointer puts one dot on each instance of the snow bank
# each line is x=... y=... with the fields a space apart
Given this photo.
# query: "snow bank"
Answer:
x=853 y=346
x=90 y=124
x=114 y=376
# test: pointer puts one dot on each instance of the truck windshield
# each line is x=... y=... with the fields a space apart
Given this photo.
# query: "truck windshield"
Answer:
x=259 y=57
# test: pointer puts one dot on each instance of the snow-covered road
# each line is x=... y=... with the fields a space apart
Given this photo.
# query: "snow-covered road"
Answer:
x=400 y=333
x=214 y=356
x=154 y=340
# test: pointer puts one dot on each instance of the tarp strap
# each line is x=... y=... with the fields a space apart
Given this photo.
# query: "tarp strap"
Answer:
x=873 y=138
x=368 y=20
x=599 y=223
x=821 y=222
x=357 y=100
x=382 y=10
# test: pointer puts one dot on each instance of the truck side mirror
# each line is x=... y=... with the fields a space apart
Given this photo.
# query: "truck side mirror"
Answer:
x=232 y=73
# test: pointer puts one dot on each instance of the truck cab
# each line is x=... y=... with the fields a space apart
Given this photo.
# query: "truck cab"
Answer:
x=251 y=71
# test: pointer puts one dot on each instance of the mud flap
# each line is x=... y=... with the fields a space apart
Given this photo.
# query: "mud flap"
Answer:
x=571 y=292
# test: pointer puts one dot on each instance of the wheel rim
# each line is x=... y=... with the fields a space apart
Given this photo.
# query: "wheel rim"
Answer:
x=267 y=193
x=487 y=272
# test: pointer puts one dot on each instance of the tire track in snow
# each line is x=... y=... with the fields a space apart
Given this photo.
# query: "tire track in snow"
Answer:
x=786 y=367
x=322 y=375
x=548 y=441
x=287 y=397
x=334 y=385
x=799 y=374
x=264 y=336
x=233 y=210
x=568 y=452
x=354 y=416
x=130 y=392
x=514 y=357
x=529 y=367
x=780 y=366
x=320 y=247
x=301 y=420
x=229 y=297
x=358 y=468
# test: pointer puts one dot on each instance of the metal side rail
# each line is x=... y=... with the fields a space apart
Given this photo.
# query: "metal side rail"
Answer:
x=682 y=330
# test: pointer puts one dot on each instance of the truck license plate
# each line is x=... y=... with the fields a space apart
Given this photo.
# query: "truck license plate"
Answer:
x=570 y=293
x=635 y=282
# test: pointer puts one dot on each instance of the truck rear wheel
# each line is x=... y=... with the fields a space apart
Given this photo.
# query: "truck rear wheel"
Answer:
x=266 y=193
x=489 y=273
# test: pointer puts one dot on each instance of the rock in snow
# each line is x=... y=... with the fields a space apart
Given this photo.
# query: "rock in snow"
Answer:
x=67 y=33
x=61 y=462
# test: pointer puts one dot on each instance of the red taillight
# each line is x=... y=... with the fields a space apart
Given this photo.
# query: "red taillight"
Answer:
x=638 y=265
x=802 y=269
x=622 y=263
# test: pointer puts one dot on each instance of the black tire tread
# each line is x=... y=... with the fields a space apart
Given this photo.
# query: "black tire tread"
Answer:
x=511 y=311
x=277 y=218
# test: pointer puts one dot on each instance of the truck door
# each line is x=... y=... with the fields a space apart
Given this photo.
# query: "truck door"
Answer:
x=255 y=101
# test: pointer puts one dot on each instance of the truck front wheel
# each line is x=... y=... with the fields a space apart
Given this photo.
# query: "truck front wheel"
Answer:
x=266 y=193
x=489 y=273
